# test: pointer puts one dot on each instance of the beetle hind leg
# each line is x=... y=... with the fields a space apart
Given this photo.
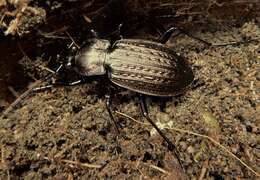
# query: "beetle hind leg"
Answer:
x=144 y=110
x=166 y=36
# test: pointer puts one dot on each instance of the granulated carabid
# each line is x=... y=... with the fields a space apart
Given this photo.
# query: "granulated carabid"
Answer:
x=146 y=67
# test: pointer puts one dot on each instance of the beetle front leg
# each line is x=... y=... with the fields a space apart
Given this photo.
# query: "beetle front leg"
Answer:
x=49 y=86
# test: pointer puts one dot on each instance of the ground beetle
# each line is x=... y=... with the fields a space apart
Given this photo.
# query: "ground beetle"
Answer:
x=146 y=67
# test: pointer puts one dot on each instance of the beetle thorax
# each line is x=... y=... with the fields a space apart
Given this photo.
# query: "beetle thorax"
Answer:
x=90 y=60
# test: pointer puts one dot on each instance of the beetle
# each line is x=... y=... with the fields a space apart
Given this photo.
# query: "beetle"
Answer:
x=145 y=67
x=148 y=68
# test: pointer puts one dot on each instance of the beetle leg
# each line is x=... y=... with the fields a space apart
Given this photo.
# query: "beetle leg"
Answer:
x=144 y=110
x=116 y=35
x=109 y=109
x=48 y=77
x=145 y=113
x=42 y=88
x=162 y=106
x=166 y=36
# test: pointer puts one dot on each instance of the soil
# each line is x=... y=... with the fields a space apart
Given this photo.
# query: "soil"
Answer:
x=65 y=132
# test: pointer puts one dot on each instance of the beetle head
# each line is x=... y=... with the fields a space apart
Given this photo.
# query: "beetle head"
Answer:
x=90 y=60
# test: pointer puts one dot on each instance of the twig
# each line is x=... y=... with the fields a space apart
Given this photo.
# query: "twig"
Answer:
x=2 y=19
x=64 y=150
x=52 y=34
x=22 y=51
x=218 y=144
x=2 y=156
x=86 y=18
x=11 y=89
x=74 y=163
x=3 y=165
x=206 y=137
x=204 y=170
x=47 y=69
x=20 y=98
x=129 y=117
x=72 y=39
x=25 y=94
x=54 y=37
x=82 y=164
x=159 y=169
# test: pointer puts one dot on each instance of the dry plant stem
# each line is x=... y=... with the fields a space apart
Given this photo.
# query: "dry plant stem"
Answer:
x=47 y=69
x=57 y=31
x=87 y=19
x=26 y=93
x=218 y=144
x=54 y=37
x=159 y=169
x=20 y=98
x=82 y=164
x=3 y=163
x=72 y=39
x=14 y=93
x=86 y=165
x=129 y=117
x=204 y=170
x=203 y=136
x=64 y=150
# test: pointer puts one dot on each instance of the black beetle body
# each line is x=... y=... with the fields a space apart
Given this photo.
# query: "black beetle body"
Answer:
x=142 y=66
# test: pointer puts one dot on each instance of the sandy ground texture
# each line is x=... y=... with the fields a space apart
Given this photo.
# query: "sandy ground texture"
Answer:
x=64 y=133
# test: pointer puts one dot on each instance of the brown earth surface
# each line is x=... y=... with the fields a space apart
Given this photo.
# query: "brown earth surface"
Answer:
x=63 y=133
